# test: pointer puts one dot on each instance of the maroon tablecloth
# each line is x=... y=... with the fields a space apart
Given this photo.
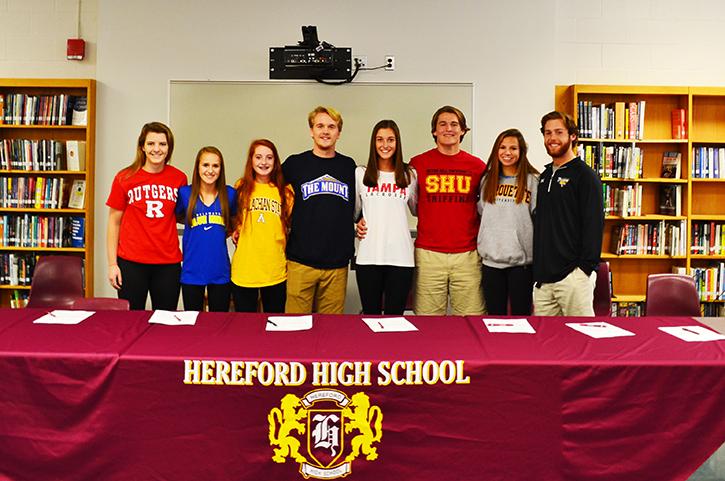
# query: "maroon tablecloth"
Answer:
x=106 y=399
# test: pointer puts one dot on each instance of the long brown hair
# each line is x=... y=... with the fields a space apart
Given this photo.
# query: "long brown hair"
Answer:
x=140 y=160
x=402 y=171
x=493 y=171
x=220 y=185
x=245 y=185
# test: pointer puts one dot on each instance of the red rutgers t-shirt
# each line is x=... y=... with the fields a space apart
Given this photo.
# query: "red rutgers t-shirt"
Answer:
x=148 y=226
x=448 y=186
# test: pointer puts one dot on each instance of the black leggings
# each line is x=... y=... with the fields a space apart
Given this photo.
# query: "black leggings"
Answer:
x=273 y=298
x=218 y=297
x=159 y=280
x=514 y=284
x=383 y=284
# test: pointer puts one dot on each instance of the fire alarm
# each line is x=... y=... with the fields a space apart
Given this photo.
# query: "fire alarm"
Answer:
x=76 y=49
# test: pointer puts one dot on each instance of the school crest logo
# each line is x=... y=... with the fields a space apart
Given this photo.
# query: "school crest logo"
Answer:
x=330 y=428
x=562 y=181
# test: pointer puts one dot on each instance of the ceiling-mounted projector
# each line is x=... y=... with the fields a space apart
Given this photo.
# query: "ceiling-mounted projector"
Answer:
x=310 y=59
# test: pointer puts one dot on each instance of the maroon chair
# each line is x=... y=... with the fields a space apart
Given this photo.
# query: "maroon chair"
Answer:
x=671 y=295
x=100 y=304
x=603 y=292
x=57 y=282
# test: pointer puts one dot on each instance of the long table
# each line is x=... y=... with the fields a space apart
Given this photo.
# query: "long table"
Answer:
x=115 y=398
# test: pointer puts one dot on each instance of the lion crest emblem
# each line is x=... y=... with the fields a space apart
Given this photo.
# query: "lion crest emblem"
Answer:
x=368 y=421
x=326 y=418
x=282 y=421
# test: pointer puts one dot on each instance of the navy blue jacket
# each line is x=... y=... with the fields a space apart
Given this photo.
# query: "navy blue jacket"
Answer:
x=568 y=221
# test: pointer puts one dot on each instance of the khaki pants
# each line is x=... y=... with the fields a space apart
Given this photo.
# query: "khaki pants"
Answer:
x=438 y=274
x=571 y=296
x=320 y=289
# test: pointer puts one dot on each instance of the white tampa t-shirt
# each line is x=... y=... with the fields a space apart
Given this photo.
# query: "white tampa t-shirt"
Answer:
x=388 y=240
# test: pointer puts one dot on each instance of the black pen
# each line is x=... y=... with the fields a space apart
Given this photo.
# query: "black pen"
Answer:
x=691 y=331
x=272 y=322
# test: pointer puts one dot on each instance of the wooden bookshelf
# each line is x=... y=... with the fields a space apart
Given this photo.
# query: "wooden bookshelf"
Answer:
x=703 y=199
x=48 y=124
x=707 y=130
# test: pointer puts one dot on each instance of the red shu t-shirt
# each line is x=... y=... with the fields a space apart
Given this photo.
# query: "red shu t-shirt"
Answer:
x=448 y=185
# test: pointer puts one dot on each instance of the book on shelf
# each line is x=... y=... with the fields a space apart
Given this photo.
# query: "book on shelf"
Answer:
x=713 y=309
x=16 y=269
x=708 y=238
x=19 y=299
x=619 y=120
x=679 y=124
x=623 y=201
x=671 y=162
x=27 y=154
x=23 y=109
x=30 y=230
x=617 y=240
x=710 y=282
x=613 y=161
x=649 y=238
x=627 y=309
x=634 y=120
x=39 y=189
x=697 y=238
x=706 y=162
x=670 y=199
x=79 y=115
x=77 y=231
x=31 y=192
x=75 y=155
x=77 y=197
x=56 y=201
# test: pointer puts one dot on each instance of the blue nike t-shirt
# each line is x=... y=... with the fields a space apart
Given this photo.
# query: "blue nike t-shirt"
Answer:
x=204 y=244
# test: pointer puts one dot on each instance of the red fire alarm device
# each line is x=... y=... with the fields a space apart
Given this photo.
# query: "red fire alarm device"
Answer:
x=76 y=49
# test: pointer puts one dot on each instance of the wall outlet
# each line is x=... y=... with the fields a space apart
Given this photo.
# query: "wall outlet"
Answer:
x=360 y=61
x=389 y=62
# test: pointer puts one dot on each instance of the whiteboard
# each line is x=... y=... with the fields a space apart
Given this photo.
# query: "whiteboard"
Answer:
x=229 y=115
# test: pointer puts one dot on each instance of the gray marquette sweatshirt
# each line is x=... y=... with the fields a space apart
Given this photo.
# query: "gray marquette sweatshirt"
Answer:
x=506 y=234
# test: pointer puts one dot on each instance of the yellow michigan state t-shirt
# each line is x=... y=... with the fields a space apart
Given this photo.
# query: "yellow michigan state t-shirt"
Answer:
x=260 y=260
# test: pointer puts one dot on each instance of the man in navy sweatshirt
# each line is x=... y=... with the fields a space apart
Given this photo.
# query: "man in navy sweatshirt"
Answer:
x=568 y=225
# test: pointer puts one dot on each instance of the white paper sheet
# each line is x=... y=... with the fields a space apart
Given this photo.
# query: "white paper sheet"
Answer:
x=520 y=326
x=174 y=318
x=389 y=324
x=289 y=323
x=59 y=316
x=599 y=330
x=693 y=333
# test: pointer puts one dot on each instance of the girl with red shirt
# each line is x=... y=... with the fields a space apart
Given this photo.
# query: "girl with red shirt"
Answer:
x=142 y=242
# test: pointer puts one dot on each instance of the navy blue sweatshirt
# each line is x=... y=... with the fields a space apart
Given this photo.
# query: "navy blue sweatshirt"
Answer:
x=322 y=234
x=568 y=221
